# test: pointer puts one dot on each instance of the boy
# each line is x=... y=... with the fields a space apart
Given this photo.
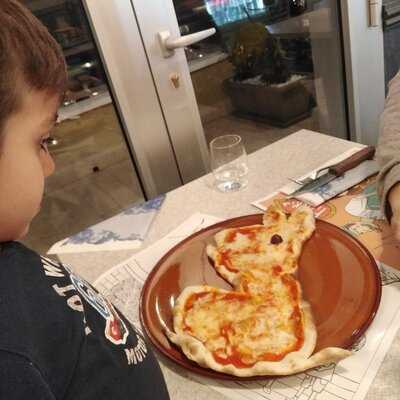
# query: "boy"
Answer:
x=59 y=339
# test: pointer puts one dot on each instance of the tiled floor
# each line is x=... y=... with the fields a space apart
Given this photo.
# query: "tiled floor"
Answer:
x=76 y=197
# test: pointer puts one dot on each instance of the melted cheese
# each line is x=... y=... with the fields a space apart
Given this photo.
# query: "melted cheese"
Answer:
x=262 y=319
x=250 y=327
x=250 y=247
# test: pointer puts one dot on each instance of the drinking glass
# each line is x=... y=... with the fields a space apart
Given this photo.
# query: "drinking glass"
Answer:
x=229 y=163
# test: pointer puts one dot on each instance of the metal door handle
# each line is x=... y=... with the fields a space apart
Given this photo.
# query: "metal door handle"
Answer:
x=169 y=45
x=374 y=12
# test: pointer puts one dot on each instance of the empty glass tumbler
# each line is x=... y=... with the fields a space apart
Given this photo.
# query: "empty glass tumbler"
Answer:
x=229 y=163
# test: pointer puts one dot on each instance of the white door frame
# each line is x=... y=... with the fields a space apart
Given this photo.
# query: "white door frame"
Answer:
x=120 y=46
x=178 y=103
x=365 y=70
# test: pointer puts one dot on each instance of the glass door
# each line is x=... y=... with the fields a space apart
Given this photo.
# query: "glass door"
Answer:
x=391 y=39
x=271 y=68
x=102 y=164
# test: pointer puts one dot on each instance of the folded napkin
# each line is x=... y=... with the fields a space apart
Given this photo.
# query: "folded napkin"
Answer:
x=126 y=230
x=335 y=187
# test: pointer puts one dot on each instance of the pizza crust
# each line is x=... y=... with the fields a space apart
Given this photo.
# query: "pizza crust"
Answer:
x=262 y=269
x=292 y=363
x=228 y=275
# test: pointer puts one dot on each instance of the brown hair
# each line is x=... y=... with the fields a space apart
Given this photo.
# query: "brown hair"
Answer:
x=30 y=58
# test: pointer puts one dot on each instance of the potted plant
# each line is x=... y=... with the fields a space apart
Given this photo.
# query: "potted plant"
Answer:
x=262 y=86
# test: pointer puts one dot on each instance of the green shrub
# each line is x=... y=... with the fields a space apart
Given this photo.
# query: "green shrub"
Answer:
x=257 y=53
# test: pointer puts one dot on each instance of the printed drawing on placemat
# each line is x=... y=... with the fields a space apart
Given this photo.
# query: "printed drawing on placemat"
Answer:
x=357 y=211
x=325 y=382
x=319 y=383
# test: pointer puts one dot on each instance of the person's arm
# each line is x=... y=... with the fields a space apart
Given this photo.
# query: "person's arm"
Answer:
x=21 y=380
x=388 y=155
x=393 y=200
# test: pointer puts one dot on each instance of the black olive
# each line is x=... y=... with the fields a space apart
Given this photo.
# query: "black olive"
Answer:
x=276 y=239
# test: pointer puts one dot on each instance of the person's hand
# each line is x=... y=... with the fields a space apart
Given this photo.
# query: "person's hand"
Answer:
x=394 y=200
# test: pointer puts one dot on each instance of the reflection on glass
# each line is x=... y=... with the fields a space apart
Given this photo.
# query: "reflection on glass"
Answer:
x=297 y=6
x=228 y=11
x=67 y=23
x=94 y=177
x=290 y=53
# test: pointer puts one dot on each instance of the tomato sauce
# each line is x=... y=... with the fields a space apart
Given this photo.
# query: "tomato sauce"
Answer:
x=291 y=284
x=193 y=298
x=224 y=259
x=250 y=232
x=274 y=215
x=277 y=270
x=235 y=358
x=236 y=296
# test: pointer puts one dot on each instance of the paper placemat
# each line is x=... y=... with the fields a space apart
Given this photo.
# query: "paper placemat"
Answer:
x=122 y=284
x=126 y=230
x=348 y=380
x=290 y=187
x=338 y=185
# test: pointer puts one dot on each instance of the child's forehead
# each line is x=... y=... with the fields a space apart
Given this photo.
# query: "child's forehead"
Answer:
x=51 y=118
x=38 y=109
x=43 y=104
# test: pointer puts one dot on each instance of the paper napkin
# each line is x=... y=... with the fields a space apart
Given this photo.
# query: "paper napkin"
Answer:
x=337 y=186
x=126 y=230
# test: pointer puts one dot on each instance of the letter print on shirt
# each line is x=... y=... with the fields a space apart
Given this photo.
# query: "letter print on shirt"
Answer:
x=115 y=329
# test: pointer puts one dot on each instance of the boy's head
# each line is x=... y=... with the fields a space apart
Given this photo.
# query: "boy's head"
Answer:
x=32 y=81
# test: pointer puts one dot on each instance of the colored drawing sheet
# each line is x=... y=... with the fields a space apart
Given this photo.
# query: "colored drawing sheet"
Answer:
x=357 y=211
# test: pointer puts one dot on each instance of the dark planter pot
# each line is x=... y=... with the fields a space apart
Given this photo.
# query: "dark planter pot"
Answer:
x=281 y=105
x=297 y=7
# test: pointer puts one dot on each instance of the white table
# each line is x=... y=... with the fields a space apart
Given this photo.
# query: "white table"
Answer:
x=270 y=169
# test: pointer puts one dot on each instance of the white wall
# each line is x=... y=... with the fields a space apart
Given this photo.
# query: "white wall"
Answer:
x=364 y=60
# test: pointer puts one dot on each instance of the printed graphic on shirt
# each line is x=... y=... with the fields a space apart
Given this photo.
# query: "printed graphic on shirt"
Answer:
x=138 y=353
x=115 y=330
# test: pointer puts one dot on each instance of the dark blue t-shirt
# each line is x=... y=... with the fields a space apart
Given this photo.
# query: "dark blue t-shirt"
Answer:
x=60 y=339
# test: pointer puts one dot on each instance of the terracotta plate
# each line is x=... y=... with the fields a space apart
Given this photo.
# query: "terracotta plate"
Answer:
x=338 y=275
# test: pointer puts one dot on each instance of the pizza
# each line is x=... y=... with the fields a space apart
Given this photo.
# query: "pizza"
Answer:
x=275 y=244
x=262 y=326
